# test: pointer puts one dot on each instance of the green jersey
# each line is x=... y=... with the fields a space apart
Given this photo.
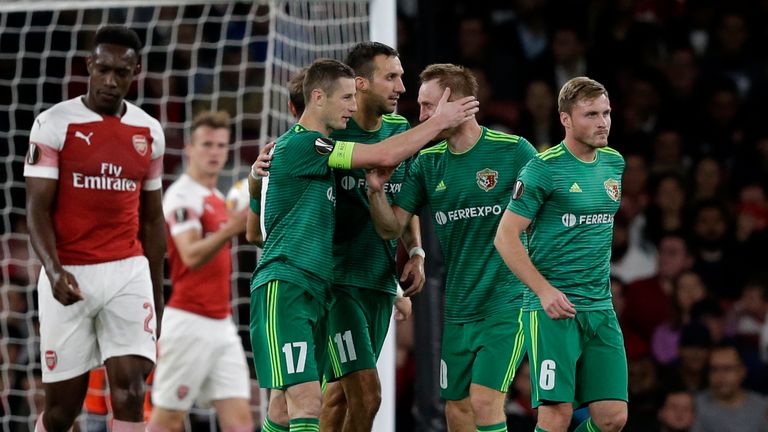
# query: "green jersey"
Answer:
x=360 y=257
x=298 y=201
x=467 y=193
x=571 y=204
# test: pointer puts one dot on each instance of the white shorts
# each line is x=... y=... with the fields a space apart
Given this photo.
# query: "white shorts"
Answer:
x=116 y=318
x=200 y=359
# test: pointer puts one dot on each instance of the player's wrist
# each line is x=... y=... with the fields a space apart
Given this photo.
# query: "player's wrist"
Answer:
x=417 y=251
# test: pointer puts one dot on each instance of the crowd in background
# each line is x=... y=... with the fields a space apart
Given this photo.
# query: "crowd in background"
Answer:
x=687 y=81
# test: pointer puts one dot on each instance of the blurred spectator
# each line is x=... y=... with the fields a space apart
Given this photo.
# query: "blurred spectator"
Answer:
x=747 y=317
x=649 y=298
x=731 y=54
x=688 y=289
x=683 y=90
x=634 y=192
x=639 y=115
x=643 y=392
x=721 y=130
x=689 y=371
x=708 y=182
x=713 y=249
x=665 y=214
x=539 y=121
x=668 y=156
x=726 y=406
x=710 y=313
x=678 y=411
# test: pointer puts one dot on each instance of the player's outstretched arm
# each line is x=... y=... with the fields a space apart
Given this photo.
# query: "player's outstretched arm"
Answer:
x=511 y=249
x=41 y=193
x=389 y=221
x=395 y=149
x=152 y=238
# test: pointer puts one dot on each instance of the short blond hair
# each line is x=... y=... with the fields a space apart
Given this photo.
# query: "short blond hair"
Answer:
x=459 y=79
x=578 y=89
x=212 y=119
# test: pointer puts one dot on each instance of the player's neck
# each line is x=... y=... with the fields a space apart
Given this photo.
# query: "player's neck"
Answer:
x=207 y=180
x=582 y=151
x=92 y=106
x=313 y=122
x=465 y=136
x=367 y=118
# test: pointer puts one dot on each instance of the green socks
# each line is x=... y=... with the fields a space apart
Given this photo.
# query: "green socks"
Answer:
x=270 y=426
x=305 y=425
x=498 y=427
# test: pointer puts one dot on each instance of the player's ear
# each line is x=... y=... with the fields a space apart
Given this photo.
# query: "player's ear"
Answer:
x=565 y=120
x=137 y=69
x=362 y=83
x=89 y=63
x=318 y=96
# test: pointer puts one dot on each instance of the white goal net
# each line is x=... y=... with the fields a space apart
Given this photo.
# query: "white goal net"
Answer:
x=218 y=55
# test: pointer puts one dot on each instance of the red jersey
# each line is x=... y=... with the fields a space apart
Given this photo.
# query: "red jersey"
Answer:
x=188 y=205
x=102 y=163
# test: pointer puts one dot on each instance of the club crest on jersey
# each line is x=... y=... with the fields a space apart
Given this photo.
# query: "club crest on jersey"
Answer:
x=140 y=144
x=612 y=189
x=487 y=179
x=51 y=359
x=182 y=391
x=34 y=154
x=324 y=146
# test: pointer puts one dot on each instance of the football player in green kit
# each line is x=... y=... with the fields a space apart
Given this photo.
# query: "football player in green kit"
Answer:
x=364 y=276
x=568 y=196
x=291 y=284
x=466 y=181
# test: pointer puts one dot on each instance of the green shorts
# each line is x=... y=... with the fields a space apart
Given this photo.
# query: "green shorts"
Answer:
x=485 y=352
x=287 y=334
x=357 y=326
x=578 y=360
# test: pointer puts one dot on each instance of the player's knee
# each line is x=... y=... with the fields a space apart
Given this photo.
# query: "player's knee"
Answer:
x=370 y=402
x=488 y=407
x=555 y=417
x=611 y=422
x=456 y=411
x=129 y=398
x=59 y=419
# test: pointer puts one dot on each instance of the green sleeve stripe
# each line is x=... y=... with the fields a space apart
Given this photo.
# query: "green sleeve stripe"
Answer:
x=341 y=156
x=439 y=148
x=501 y=136
x=609 y=150
x=550 y=155
x=392 y=118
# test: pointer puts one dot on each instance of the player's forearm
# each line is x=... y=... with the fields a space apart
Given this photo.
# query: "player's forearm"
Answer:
x=200 y=252
x=411 y=236
x=40 y=197
x=253 y=229
x=512 y=251
x=395 y=149
x=383 y=215
x=43 y=239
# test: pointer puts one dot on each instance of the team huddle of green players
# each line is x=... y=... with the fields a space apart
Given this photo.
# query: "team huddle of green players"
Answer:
x=526 y=240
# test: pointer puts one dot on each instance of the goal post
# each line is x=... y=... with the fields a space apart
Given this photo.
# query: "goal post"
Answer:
x=198 y=54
